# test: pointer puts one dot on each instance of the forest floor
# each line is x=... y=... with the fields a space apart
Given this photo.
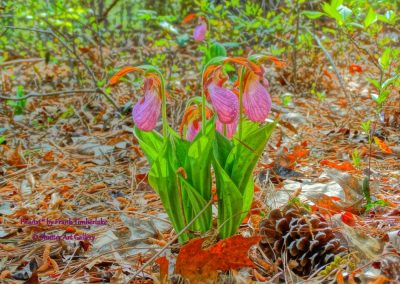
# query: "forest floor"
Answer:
x=73 y=155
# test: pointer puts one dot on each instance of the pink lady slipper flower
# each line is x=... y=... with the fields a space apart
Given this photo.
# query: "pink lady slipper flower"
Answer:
x=199 y=33
x=200 y=30
x=224 y=101
x=256 y=99
x=192 y=121
x=147 y=111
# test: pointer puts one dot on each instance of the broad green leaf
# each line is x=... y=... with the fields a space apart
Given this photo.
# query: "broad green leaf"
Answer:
x=163 y=179
x=230 y=202
x=199 y=161
x=370 y=18
x=245 y=154
x=313 y=14
x=203 y=223
x=247 y=198
x=151 y=143
x=198 y=167
x=181 y=147
x=222 y=148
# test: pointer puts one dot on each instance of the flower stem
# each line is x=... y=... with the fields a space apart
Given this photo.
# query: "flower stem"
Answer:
x=164 y=107
x=241 y=83
x=203 y=105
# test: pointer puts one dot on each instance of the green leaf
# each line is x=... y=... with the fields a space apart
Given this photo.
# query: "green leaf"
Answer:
x=198 y=170
x=151 y=143
x=383 y=97
x=390 y=81
x=230 y=202
x=197 y=203
x=332 y=12
x=246 y=153
x=163 y=179
x=313 y=14
x=385 y=58
x=222 y=148
x=370 y=18
x=374 y=82
x=2 y=139
x=336 y=3
x=199 y=161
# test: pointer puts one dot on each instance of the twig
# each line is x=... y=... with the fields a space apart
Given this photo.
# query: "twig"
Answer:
x=104 y=15
x=60 y=93
x=153 y=258
x=17 y=61
x=328 y=56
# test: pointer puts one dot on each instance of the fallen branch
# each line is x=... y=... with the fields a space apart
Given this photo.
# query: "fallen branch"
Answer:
x=60 y=93
x=18 y=61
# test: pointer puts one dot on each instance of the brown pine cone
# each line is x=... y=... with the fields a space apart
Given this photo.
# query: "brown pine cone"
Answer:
x=306 y=240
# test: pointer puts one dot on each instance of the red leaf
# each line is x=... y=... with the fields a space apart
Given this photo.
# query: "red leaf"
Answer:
x=349 y=218
x=198 y=265
x=164 y=263
x=353 y=68
x=345 y=166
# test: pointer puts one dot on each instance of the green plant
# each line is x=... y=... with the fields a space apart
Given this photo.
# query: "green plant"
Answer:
x=19 y=105
x=356 y=158
x=180 y=169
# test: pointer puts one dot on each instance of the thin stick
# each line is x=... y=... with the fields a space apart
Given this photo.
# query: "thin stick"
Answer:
x=60 y=93
x=153 y=258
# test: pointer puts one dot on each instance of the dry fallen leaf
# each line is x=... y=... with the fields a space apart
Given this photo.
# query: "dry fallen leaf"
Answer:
x=199 y=266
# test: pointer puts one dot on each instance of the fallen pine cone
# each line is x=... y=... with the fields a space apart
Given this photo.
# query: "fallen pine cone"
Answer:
x=305 y=240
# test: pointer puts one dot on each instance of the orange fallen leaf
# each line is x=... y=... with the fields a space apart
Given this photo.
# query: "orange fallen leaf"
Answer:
x=353 y=68
x=381 y=279
x=49 y=156
x=299 y=152
x=164 y=263
x=96 y=187
x=5 y=274
x=150 y=196
x=382 y=145
x=344 y=166
x=117 y=76
x=327 y=74
x=198 y=265
x=339 y=277
x=15 y=159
